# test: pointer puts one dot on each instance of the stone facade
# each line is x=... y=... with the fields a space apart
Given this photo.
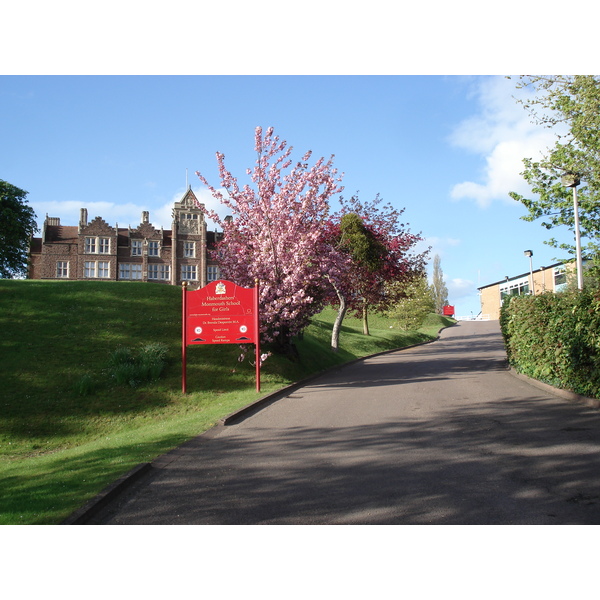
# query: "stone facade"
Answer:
x=97 y=251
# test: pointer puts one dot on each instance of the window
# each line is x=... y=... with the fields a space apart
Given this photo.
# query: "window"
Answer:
x=104 y=245
x=159 y=272
x=189 y=249
x=97 y=245
x=103 y=270
x=212 y=273
x=517 y=287
x=189 y=216
x=99 y=269
x=136 y=247
x=188 y=273
x=560 y=279
x=153 y=248
x=62 y=268
x=130 y=271
x=89 y=269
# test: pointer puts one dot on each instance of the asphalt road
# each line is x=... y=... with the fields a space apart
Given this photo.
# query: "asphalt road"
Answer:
x=438 y=434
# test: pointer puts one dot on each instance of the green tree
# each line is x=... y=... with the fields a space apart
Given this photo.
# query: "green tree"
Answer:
x=570 y=106
x=418 y=302
x=439 y=290
x=17 y=225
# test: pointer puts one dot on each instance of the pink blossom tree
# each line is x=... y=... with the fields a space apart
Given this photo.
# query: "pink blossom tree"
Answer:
x=275 y=234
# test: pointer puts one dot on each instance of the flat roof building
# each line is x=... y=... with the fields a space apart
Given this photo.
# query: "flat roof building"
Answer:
x=545 y=279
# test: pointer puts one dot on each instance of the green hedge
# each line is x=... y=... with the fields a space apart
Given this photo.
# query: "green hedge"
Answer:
x=555 y=338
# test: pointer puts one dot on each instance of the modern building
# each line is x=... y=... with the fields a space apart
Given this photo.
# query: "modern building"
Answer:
x=545 y=279
x=95 y=250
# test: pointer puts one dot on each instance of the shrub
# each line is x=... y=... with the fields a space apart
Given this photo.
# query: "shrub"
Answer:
x=555 y=338
x=134 y=369
x=85 y=385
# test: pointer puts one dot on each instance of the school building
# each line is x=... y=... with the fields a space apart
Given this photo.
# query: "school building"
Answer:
x=545 y=279
x=95 y=250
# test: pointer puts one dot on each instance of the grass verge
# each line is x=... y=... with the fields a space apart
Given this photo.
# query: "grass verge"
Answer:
x=70 y=424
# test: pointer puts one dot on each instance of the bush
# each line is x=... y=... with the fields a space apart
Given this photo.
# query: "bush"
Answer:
x=85 y=385
x=555 y=338
x=134 y=369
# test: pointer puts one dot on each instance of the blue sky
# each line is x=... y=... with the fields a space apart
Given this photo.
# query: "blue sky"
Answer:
x=447 y=149
x=108 y=109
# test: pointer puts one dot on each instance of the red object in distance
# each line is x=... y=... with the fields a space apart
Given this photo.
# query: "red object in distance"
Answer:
x=448 y=311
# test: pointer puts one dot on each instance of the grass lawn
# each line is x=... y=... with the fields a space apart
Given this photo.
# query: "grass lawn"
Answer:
x=69 y=427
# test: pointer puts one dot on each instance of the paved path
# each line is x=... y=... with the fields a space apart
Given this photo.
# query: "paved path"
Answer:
x=437 y=434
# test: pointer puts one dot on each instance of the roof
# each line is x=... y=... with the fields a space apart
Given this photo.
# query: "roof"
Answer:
x=62 y=233
x=559 y=264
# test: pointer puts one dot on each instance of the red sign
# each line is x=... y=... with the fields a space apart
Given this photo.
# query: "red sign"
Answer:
x=448 y=311
x=221 y=313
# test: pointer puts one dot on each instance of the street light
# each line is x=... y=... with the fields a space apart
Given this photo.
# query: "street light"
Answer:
x=530 y=254
x=572 y=180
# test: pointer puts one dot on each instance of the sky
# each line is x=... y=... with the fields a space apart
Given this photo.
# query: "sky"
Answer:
x=447 y=149
x=115 y=111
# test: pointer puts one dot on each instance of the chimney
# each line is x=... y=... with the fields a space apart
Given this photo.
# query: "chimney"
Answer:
x=145 y=216
x=83 y=217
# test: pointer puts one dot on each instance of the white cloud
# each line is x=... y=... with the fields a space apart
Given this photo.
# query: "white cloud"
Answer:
x=438 y=245
x=123 y=214
x=502 y=134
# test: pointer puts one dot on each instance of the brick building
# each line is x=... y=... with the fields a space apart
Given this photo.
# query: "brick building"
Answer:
x=97 y=251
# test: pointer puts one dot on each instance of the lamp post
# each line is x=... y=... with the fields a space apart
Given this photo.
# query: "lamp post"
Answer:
x=530 y=254
x=572 y=180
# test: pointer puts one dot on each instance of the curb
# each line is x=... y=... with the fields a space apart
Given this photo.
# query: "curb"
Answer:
x=550 y=389
x=107 y=495
x=83 y=515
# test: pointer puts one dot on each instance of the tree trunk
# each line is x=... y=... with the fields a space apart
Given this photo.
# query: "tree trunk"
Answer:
x=365 y=320
x=335 y=333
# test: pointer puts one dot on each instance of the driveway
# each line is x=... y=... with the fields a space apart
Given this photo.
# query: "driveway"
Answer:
x=437 y=434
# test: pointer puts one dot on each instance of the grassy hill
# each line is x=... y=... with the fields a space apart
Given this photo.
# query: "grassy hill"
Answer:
x=70 y=424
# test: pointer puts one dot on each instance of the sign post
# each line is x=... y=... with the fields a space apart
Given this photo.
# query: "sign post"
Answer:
x=220 y=313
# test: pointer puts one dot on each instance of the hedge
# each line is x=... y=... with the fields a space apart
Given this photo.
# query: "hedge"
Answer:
x=555 y=338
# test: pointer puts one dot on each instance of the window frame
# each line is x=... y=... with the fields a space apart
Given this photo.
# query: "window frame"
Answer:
x=62 y=266
x=190 y=268
x=189 y=249
x=97 y=244
x=215 y=269
x=162 y=270
x=153 y=248
x=137 y=247
x=127 y=270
